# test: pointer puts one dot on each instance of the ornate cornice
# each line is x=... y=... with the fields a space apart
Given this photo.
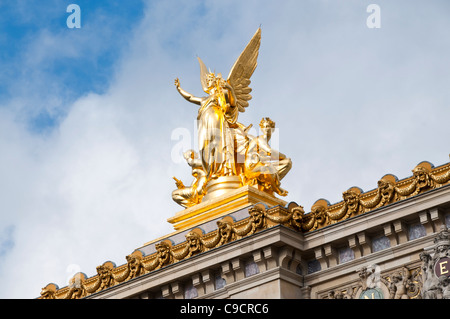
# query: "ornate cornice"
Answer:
x=389 y=190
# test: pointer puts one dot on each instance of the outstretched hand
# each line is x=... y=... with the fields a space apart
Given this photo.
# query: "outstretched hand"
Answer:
x=177 y=82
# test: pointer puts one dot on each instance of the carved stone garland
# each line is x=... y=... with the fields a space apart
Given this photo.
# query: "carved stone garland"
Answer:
x=389 y=190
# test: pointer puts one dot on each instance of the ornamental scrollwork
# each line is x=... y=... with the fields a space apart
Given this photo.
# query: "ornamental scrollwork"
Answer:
x=77 y=288
x=163 y=256
x=421 y=181
x=385 y=193
x=400 y=284
x=192 y=246
x=105 y=277
x=403 y=284
x=134 y=267
x=389 y=190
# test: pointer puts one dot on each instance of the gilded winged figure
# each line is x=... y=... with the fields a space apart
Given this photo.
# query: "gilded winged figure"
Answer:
x=219 y=110
x=223 y=141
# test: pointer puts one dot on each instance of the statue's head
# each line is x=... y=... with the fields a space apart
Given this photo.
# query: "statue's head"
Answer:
x=213 y=81
x=190 y=154
x=267 y=126
x=193 y=239
x=163 y=251
x=422 y=176
x=210 y=81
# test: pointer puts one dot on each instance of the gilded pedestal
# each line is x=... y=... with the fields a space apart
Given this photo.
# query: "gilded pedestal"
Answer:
x=220 y=204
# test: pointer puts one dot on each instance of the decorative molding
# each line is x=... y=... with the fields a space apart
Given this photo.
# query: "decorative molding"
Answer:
x=425 y=178
x=401 y=283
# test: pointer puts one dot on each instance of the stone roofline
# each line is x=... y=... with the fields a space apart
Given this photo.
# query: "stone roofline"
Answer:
x=355 y=202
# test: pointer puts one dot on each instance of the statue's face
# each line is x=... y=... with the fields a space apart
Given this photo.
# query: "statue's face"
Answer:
x=297 y=215
x=103 y=272
x=193 y=242
x=421 y=177
x=424 y=257
x=257 y=218
x=188 y=154
x=396 y=279
x=319 y=214
x=163 y=253
x=266 y=128
x=226 y=231
x=442 y=248
x=352 y=200
x=211 y=81
x=386 y=188
x=133 y=262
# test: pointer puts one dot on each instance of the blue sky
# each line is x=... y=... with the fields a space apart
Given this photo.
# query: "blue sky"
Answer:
x=90 y=118
x=78 y=61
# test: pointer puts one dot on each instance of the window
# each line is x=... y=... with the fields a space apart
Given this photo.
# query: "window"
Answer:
x=447 y=220
x=250 y=269
x=190 y=292
x=298 y=270
x=313 y=266
x=380 y=243
x=219 y=282
x=416 y=231
x=346 y=254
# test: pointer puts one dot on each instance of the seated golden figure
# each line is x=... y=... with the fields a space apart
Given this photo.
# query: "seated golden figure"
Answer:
x=190 y=196
x=265 y=166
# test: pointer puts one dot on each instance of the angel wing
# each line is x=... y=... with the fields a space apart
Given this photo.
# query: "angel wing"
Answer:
x=242 y=70
x=203 y=74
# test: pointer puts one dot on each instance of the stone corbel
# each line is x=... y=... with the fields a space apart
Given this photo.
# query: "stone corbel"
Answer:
x=437 y=217
x=227 y=272
x=331 y=254
x=258 y=258
x=321 y=258
x=270 y=255
x=166 y=292
x=238 y=268
x=391 y=234
x=198 y=283
x=208 y=279
x=145 y=295
x=401 y=231
x=424 y=220
x=353 y=244
x=365 y=243
x=177 y=290
x=289 y=258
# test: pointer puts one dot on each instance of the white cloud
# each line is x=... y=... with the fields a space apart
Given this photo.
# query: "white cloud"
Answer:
x=352 y=104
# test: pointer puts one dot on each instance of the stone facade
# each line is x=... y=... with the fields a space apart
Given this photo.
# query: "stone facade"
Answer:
x=376 y=251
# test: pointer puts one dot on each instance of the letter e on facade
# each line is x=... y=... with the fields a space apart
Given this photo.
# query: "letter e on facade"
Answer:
x=442 y=267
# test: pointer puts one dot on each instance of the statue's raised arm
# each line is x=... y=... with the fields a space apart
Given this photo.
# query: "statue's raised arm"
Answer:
x=188 y=96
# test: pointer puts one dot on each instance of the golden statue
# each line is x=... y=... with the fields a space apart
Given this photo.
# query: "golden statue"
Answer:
x=223 y=142
x=265 y=166
x=192 y=195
